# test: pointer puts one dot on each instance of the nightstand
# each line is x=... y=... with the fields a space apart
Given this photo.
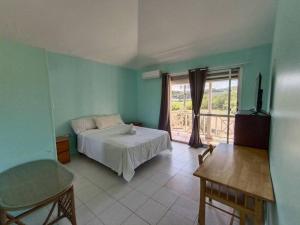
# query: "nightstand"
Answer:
x=63 y=149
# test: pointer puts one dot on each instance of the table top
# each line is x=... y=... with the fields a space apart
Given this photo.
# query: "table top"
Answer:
x=30 y=183
x=242 y=168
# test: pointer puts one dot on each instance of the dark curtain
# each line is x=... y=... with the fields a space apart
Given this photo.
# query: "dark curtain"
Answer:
x=197 y=79
x=164 y=116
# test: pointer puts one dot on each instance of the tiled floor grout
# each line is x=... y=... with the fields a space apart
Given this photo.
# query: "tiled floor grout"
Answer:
x=117 y=200
x=169 y=173
x=134 y=188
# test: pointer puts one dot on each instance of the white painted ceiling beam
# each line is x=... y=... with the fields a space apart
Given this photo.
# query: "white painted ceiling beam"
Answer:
x=137 y=33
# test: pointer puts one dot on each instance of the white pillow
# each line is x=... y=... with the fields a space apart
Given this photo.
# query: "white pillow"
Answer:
x=83 y=124
x=108 y=121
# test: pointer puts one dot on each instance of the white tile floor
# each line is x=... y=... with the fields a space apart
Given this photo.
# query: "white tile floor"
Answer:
x=163 y=192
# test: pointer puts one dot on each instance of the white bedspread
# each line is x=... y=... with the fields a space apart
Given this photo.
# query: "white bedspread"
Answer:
x=123 y=152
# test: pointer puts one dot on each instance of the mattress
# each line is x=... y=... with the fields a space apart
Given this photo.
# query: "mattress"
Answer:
x=120 y=151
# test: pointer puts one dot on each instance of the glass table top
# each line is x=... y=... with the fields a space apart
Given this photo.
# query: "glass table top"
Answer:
x=27 y=184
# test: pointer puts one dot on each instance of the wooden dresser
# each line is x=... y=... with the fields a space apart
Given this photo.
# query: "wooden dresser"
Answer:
x=63 y=149
x=252 y=129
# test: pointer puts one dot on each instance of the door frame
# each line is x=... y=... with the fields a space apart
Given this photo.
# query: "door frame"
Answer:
x=239 y=77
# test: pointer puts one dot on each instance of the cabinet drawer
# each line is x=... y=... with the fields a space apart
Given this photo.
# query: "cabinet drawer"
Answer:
x=62 y=146
x=64 y=157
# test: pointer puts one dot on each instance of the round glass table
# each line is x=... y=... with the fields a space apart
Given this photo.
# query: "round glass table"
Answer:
x=33 y=185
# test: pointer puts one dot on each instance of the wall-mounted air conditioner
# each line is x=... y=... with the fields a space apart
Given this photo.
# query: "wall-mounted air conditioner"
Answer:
x=152 y=74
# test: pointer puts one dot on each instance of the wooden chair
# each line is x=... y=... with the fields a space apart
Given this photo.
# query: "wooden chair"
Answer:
x=244 y=204
x=204 y=155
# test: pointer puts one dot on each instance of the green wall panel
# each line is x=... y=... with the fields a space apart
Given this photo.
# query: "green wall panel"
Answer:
x=256 y=60
x=285 y=109
x=82 y=87
x=26 y=128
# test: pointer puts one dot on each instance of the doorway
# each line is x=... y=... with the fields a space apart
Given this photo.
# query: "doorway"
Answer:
x=219 y=105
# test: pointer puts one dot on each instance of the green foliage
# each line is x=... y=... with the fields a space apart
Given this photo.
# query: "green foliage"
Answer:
x=204 y=104
x=219 y=102
x=189 y=105
x=177 y=105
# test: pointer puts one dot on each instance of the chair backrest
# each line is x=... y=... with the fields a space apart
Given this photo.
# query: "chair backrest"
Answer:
x=203 y=156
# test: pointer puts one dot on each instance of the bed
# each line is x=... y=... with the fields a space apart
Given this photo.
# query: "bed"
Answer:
x=120 y=150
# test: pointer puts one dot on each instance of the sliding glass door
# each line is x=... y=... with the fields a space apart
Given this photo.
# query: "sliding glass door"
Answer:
x=219 y=104
x=217 y=111
x=181 y=111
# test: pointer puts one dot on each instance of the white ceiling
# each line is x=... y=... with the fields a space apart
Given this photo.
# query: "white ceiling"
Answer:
x=138 y=33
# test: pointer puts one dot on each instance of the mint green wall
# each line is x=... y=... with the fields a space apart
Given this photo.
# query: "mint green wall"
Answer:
x=285 y=110
x=31 y=113
x=26 y=131
x=81 y=87
x=256 y=59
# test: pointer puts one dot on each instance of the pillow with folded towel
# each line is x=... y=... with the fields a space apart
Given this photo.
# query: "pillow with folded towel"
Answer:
x=131 y=129
x=128 y=129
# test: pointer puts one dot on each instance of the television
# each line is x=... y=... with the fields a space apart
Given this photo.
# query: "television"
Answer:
x=259 y=94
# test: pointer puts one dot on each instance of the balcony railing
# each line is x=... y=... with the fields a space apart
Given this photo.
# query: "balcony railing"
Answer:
x=213 y=127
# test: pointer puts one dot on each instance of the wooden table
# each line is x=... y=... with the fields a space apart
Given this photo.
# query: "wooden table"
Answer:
x=242 y=169
x=33 y=185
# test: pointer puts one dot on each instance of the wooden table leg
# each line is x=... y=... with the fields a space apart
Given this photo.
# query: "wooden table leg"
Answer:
x=201 y=217
x=242 y=218
x=73 y=219
x=258 y=212
x=2 y=217
x=66 y=206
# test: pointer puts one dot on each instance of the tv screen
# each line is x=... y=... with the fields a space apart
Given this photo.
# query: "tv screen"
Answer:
x=259 y=93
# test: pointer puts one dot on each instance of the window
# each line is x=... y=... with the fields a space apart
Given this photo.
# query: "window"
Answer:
x=219 y=104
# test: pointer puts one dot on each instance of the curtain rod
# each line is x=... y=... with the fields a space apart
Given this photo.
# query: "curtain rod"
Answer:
x=201 y=68
x=212 y=69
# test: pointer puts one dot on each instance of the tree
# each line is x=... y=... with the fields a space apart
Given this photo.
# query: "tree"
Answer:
x=176 y=105
x=219 y=101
